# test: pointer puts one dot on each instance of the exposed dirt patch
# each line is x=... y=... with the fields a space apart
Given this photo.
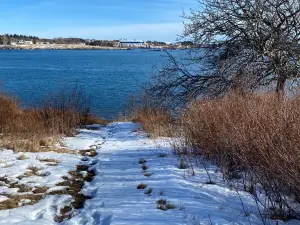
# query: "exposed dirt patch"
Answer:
x=51 y=164
x=165 y=205
x=22 y=188
x=66 y=213
x=141 y=186
x=26 y=195
x=15 y=201
x=40 y=190
x=90 y=152
x=82 y=168
x=148 y=174
x=74 y=186
x=48 y=160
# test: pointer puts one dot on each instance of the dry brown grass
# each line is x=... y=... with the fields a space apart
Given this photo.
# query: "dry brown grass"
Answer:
x=259 y=135
x=29 y=130
x=34 y=130
x=48 y=160
x=91 y=120
x=22 y=157
x=15 y=201
x=156 y=121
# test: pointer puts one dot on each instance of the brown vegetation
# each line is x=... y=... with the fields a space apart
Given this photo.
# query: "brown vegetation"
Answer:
x=255 y=136
x=32 y=130
x=164 y=205
x=15 y=201
x=253 y=139
x=156 y=121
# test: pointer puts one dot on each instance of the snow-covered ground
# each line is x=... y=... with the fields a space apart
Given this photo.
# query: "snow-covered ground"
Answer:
x=115 y=199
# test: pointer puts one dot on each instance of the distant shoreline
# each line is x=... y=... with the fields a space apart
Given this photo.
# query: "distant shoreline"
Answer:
x=58 y=47
x=74 y=47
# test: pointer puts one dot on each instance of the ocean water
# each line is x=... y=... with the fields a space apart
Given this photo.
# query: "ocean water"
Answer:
x=110 y=77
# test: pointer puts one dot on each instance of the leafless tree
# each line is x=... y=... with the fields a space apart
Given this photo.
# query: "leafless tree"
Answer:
x=242 y=44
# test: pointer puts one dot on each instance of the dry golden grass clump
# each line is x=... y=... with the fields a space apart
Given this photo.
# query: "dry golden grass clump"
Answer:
x=91 y=120
x=156 y=121
x=254 y=137
x=15 y=201
x=33 y=130
x=256 y=134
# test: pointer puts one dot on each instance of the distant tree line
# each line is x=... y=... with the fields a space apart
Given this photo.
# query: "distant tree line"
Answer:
x=68 y=40
x=156 y=43
x=187 y=43
x=102 y=43
x=6 y=39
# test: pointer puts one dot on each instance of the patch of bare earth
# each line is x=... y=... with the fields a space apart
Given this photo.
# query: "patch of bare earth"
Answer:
x=72 y=185
x=25 y=195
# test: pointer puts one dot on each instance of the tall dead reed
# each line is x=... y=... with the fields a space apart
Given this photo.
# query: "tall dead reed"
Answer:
x=258 y=136
x=27 y=129
x=156 y=121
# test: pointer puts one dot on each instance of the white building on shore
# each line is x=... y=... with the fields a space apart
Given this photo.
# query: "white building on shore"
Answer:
x=21 y=42
x=132 y=44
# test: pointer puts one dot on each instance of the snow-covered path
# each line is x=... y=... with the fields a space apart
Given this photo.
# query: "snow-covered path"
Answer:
x=116 y=199
x=123 y=149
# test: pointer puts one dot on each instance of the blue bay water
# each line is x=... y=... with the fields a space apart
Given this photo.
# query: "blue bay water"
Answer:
x=111 y=77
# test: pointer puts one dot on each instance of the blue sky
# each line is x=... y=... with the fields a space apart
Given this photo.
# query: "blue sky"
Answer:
x=99 y=19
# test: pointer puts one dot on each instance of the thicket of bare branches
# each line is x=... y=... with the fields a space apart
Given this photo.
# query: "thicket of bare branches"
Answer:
x=248 y=44
x=255 y=141
x=243 y=46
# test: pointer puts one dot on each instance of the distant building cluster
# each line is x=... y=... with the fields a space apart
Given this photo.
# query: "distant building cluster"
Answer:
x=21 y=42
x=149 y=44
x=133 y=44
x=24 y=41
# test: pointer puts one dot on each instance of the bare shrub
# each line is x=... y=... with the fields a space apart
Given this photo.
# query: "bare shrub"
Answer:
x=33 y=129
x=256 y=135
x=239 y=44
x=156 y=121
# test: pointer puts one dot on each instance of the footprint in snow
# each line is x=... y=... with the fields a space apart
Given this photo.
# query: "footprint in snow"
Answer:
x=39 y=214
x=107 y=220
